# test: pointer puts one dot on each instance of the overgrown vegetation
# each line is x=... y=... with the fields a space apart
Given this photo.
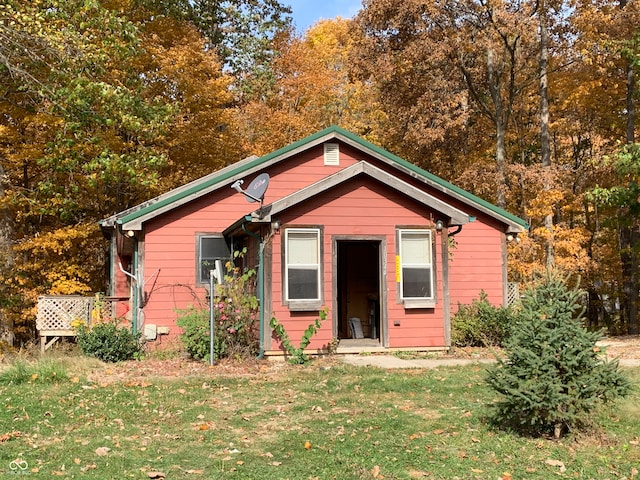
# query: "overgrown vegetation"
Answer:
x=109 y=342
x=236 y=319
x=296 y=354
x=554 y=375
x=481 y=324
x=43 y=371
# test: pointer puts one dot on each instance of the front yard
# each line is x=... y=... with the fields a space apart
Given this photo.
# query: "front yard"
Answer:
x=276 y=421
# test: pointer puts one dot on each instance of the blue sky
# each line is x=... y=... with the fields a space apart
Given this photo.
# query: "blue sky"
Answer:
x=308 y=12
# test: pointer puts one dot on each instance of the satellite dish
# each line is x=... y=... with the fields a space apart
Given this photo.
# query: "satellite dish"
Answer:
x=256 y=189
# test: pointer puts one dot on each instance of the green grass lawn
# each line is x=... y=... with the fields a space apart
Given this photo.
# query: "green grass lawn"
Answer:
x=299 y=423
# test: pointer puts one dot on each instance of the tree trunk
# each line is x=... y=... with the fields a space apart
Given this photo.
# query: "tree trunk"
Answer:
x=629 y=235
x=628 y=241
x=501 y=130
x=7 y=333
x=545 y=142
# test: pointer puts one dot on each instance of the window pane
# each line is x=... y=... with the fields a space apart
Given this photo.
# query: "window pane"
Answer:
x=416 y=248
x=302 y=248
x=213 y=247
x=416 y=264
x=303 y=264
x=303 y=284
x=416 y=282
x=205 y=268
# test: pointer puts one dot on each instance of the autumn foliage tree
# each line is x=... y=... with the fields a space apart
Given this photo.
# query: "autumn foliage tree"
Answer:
x=77 y=138
x=178 y=67
x=312 y=89
x=107 y=103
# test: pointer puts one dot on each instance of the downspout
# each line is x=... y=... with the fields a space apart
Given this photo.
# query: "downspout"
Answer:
x=444 y=244
x=260 y=283
x=455 y=232
x=136 y=290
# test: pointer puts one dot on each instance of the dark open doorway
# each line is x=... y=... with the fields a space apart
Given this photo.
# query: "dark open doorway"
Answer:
x=358 y=283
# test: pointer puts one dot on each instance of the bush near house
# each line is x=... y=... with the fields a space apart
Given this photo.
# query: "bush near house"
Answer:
x=235 y=319
x=553 y=375
x=481 y=324
x=109 y=342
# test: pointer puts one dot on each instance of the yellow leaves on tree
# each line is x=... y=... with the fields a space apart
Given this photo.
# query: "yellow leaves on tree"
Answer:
x=312 y=89
x=59 y=262
x=67 y=261
x=527 y=254
x=180 y=69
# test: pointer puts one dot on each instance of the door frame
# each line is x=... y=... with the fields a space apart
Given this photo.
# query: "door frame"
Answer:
x=381 y=240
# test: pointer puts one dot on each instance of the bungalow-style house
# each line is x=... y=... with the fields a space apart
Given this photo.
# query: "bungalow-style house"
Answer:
x=331 y=221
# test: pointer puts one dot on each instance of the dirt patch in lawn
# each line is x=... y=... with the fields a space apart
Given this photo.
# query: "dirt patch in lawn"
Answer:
x=627 y=347
x=178 y=368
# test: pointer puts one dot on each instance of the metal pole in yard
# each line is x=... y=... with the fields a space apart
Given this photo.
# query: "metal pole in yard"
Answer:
x=211 y=316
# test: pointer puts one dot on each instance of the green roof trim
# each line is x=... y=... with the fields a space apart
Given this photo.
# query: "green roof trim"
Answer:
x=238 y=168
x=434 y=178
x=221 y=178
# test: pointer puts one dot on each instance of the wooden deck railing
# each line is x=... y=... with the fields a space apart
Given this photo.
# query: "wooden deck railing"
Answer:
x=57 y=315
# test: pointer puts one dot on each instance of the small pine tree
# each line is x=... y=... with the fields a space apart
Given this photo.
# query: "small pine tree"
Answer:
x=553 y=374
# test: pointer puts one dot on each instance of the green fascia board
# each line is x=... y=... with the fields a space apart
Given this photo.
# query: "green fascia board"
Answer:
x=222 y=177
x=231 y=172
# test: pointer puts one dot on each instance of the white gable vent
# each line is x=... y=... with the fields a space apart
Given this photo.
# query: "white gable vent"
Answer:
x=331 y=154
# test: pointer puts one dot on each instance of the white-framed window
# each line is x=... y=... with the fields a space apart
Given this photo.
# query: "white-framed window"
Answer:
x=416 y=269
x=209 y=248
x=302 y=272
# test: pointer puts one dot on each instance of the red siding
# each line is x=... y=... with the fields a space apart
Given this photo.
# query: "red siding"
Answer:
x=361 y=206
x=476 y=265
x=170 y=240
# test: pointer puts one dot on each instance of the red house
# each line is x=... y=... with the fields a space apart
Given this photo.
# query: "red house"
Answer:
x=388 y=248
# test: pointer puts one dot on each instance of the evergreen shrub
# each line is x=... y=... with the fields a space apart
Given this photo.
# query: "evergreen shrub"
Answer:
x=553 y=374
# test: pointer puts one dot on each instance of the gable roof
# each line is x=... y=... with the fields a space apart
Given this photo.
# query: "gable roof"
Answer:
x=133 y=218
x=266 y=213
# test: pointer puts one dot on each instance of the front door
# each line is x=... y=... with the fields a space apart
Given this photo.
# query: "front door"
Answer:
x=358 y=289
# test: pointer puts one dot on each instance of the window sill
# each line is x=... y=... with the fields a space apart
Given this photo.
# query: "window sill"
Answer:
x=302 y=306
x=414 y=304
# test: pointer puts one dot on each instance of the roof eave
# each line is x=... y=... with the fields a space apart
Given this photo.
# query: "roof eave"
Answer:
x=133 y=219
x=267 y=213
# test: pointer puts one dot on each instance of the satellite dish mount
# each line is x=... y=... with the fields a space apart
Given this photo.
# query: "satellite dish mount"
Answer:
x=256 y=189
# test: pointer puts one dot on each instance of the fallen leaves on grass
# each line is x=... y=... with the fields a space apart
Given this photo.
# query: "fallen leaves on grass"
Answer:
x=135 y=383
x=556 y=463
x=8 y=436
x=102 y=451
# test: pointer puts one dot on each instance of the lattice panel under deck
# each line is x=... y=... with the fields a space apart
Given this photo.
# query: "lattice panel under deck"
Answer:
x=60 y=311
